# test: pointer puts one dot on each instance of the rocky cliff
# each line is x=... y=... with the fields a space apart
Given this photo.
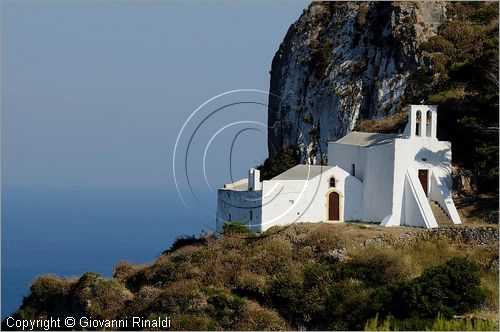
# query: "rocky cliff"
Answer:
x=342 y=62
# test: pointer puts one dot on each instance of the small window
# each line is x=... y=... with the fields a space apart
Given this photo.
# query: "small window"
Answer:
x=251 y=215
x=428 y=127
x=230 y=217
x=353 y=169
x=332 y=182
x=418 y=122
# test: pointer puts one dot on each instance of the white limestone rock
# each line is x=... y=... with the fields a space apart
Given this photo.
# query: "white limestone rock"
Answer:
x=341 y=62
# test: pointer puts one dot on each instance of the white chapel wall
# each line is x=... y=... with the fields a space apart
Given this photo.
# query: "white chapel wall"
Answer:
x=289 y=201
x=418 y=153
x=235 y=206
x=378 y=182
x=344 y=155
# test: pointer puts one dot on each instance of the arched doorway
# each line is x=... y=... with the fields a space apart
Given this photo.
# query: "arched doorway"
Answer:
x=333 y=205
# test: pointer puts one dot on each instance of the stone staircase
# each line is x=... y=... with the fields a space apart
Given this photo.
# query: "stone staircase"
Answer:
x=441 y=217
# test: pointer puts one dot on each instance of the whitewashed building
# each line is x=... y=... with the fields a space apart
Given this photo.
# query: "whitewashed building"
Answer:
x=391 y=179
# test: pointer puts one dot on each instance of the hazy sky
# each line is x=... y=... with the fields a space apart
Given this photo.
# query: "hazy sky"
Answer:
x=94 y=94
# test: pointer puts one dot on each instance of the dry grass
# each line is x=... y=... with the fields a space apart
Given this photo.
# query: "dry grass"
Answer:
x=390 y=124
x=489 y=282
x=424 y=254
x=349 y=234
x=298 y=265
x=478 y=210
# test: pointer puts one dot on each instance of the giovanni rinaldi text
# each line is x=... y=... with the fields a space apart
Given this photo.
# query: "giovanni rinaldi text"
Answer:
x=87 y=322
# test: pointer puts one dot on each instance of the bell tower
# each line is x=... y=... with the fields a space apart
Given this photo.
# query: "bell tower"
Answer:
x=422 y=121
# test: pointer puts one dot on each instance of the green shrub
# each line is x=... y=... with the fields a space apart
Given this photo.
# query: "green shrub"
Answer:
x=284 y=290
x=235 y=228
x=438 y=324
x=284 y=159
x=390 y=124
x=448 y=289
x=49 y=295
x=348 y=305
x=322 y=240
x=47 y=288
x=376 y=266
x=98 y=297
x=314 y=295
x=257 y=318
x=387 y=324
x=463 y=324
x=463 y=80
x=225 y=308
x=182 y=297
x=161 y=273
x=185 y=240
x=321 y=59
x=485 y=15
x=145 y=300
x=362 y=16
x=250 y=284
x=122 y=269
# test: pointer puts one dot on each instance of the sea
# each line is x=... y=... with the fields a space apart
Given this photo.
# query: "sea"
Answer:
x=67 y=232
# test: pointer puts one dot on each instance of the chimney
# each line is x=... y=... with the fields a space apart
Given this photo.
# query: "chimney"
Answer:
x=254 y=179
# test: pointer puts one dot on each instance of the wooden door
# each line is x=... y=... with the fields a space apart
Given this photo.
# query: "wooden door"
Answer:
x=333 y=206
x=423 y=177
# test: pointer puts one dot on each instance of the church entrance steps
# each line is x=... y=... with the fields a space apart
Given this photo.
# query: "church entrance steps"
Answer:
x=441 y=217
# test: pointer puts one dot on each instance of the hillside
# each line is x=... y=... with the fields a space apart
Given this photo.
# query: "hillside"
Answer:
x=342 y=66
x=306 y=276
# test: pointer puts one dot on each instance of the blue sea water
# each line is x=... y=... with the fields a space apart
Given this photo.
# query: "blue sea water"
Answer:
x=70 y=231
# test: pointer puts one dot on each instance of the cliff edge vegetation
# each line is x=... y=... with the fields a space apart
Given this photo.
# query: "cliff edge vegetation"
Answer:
x=348 y=276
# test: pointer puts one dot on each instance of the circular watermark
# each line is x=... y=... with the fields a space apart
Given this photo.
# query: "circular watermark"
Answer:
x=221 y=121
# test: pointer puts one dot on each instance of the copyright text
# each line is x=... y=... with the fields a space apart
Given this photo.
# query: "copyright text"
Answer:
x=87 y=323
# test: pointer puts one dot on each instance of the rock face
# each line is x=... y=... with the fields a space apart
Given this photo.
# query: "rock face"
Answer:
x=342 y=62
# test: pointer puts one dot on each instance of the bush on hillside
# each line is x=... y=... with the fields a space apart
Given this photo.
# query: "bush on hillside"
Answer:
x=449 y=289
x=283 y=282
x=48 y=292
x=377 y=266
x=282 y=161
x=186 y=240
x=391 y=124
x=122 y=269
x=235 y=228
x=464 y=83
x=438 y=324
x=99 y=297
x=321 y=59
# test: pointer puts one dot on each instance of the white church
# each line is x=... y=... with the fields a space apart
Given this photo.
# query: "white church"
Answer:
x=391 y=179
